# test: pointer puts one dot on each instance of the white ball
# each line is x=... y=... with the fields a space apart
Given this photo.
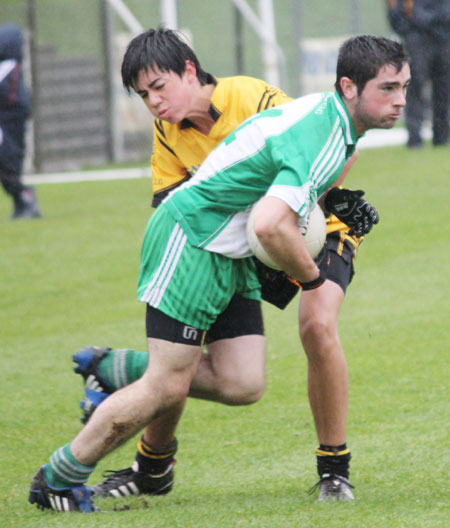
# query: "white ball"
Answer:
x=314 y=235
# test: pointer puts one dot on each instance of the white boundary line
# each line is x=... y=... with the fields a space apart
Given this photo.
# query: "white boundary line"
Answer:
x=373 y=139
x=83 y=176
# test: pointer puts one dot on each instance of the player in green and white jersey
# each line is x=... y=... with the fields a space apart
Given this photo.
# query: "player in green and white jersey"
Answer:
x=266 y=157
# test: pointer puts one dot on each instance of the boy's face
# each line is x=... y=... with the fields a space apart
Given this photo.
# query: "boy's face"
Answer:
x=167 y=95
x=381 y=102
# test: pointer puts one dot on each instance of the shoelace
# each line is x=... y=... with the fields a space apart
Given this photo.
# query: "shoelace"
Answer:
x=329 y=477
x=111 y=474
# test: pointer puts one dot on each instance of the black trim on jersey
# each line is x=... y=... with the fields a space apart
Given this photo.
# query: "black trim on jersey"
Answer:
x=158 y=125
x=166 y=146
x=186 y=123
x=264 y=105
x=214 y=113
x=159 y=196
x=269 y=102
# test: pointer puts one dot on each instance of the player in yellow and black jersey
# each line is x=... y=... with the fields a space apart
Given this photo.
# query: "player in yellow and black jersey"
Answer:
x=193 y=112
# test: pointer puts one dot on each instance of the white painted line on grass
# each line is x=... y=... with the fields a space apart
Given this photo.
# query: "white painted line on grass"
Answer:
x=91 y=175
x=372 y=139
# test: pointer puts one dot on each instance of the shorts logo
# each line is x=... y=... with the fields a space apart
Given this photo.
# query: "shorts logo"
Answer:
x=190 y=333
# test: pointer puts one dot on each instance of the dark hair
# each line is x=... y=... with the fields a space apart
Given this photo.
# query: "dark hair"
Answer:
x=161 y=47
x=361 y=58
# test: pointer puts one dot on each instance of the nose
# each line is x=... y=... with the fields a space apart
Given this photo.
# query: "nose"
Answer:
x=154 y=99
x=401 y=98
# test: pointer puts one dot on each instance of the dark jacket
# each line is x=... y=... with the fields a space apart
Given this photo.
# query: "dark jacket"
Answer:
x=14 y=96
x=428 y=16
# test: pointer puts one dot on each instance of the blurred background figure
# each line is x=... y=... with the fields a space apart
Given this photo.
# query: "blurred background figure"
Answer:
x=14 y=111
x=424 y=26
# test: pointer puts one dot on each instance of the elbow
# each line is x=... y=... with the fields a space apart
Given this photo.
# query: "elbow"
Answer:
x=265 y=231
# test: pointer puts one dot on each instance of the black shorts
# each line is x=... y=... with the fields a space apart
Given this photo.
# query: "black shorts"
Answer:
x=244 y=316
x=342 y=250
x=241 y=317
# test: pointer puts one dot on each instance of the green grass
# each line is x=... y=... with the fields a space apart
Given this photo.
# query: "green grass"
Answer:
x=69 y=279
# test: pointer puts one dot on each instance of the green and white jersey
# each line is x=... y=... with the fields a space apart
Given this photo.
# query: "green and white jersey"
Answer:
x=294 y=151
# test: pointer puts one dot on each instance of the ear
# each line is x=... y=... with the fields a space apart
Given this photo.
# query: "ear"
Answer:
x=190 y=70
x=349 y=88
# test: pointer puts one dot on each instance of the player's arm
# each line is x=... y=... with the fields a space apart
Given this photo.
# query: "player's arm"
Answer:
x=348 y=165
x=276 y=226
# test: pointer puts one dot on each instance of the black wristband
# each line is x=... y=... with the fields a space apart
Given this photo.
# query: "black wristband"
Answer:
x=312 y=285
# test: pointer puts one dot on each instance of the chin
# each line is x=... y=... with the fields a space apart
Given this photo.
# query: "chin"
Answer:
x=387 y=124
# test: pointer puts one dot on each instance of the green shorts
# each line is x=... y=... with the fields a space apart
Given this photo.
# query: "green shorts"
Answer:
x=191 y=285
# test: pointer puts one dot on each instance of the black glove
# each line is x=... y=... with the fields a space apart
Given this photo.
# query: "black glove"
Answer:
x=322 y=261
x=276 y=287
x=351 y=209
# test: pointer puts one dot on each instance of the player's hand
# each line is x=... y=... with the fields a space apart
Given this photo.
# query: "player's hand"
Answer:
x=351 y=209
x=322 y=261
x=276 y=287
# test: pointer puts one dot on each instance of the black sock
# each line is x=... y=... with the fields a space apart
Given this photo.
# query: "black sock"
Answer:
x=333 y=460
x=155 y=460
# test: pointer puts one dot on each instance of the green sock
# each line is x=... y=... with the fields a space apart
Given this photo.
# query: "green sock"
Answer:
x=64 y=471
x=123 y=366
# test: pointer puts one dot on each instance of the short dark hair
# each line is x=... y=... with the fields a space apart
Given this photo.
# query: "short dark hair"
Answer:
x=161 y=47
x=361 y=58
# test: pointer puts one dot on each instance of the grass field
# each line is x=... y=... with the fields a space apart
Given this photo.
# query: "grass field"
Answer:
x=69 y=279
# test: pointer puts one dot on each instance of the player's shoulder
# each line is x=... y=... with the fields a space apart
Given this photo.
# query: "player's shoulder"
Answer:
x=318 y=106
x=251 y=94
x=315 y=101
x=239 y=81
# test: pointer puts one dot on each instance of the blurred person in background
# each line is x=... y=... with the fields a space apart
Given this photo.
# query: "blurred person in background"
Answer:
x=15 y=109
x=424 y=26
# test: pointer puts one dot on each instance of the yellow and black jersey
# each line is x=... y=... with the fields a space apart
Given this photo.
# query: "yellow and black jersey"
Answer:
x=179 y=149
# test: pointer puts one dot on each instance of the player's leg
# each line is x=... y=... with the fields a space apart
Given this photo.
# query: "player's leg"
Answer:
x=175 y=347
x=420 y=53
x=12 y=151
x=152 y=471
x=327 y=367
x=441 y=93
x=121 y=416
x=231 y=372
x=234 y=373
x=328 y=377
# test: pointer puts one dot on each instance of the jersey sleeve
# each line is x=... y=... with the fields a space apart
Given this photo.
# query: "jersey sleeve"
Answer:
x=167 y=169
x=252 y=96
x=271 y=97
x=293 y=187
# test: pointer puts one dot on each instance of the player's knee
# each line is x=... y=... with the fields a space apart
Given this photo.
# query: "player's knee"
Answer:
x=317 y=334
x=171 y=389
x=243 y=390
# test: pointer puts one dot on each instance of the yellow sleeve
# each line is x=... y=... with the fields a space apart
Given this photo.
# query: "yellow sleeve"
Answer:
x=273 y=97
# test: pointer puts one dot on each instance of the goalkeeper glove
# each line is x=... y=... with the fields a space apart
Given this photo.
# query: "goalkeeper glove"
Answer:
x=351 y=209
